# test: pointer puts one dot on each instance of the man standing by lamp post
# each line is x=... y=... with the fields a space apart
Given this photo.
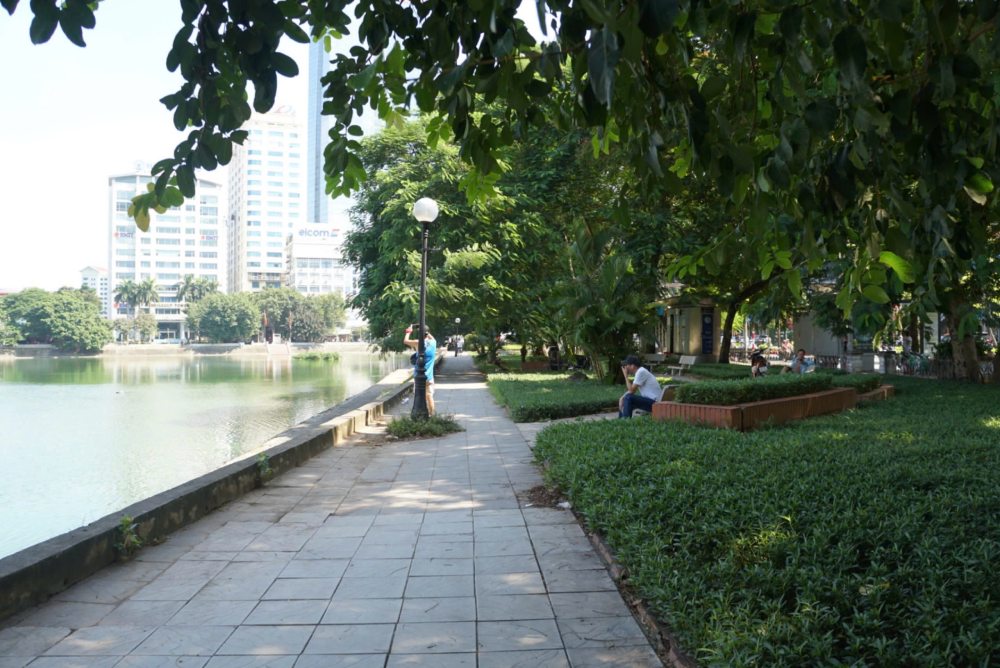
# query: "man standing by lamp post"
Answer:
x=425 y=210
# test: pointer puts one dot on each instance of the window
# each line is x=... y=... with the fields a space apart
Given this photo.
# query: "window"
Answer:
x=275 y=234
x=210 y=211
x=189 y=265
x=167 y=242
x=210 y=254
x=274 y=265
x=274 y=193
x=253 y=151
x=253 y=162
x=275 y=154
x=122 y=207
x=253 y=264
x=276 y=184
x=253 y=253
x=253 y=233
x=125 y=263
x=126 y=252
x=208 y=265
x=188 y=230
x=168 y=265
x=253 y=172
x=274 y=254
x=168 y=230
x=253 y=193
x=168 y=277
x=188 y=253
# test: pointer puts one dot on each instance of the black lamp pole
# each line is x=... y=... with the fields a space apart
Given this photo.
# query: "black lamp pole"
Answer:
x=419 y=411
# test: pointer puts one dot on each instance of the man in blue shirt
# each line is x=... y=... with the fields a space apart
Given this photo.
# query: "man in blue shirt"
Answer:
x=430 y=353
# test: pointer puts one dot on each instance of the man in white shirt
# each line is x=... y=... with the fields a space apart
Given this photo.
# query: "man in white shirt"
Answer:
x=642 y=392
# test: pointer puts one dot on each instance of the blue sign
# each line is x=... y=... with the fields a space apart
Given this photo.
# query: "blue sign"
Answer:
x=707 y=330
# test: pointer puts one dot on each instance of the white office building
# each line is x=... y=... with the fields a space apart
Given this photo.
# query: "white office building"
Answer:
x=96 y=278
x=266 y=186
x=315 y=264
x=186 y=240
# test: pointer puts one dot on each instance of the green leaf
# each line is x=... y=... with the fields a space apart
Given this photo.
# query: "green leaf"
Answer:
x=42 y=28
x=899 y=265
x=363 y=79
x=876 y=294
x=794 y=280
x=657 y=16
x=980 y=183
x=851 y=54
x=602 y=58
x=9 y=5
x=284 y=65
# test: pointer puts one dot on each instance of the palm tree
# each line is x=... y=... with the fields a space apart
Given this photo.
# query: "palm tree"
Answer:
x=127 y=293
x=186 y=288
x=192 y=289
x=147 y=293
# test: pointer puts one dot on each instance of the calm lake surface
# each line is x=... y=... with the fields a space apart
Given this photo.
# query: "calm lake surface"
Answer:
x=82 y=438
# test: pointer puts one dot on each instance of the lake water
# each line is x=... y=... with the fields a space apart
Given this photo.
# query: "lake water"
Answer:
x=82 y=438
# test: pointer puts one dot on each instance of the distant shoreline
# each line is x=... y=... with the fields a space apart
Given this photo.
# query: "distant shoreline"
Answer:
x=257 y=350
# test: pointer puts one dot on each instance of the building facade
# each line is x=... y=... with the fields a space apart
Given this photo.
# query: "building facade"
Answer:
x=96 y=278
x=315 y=264
x=188 y=240
x=267 y=178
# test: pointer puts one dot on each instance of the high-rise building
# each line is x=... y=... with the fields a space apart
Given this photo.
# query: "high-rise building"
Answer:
x=96 y=278
x=315 y=265
x=318 y=129
x=188 y=240
x=266 y=186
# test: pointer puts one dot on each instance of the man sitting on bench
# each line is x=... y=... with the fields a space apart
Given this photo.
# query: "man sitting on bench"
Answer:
x=642 y=393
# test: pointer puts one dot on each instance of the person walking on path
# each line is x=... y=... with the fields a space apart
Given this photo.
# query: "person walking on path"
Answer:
x=642 y=392
x=430 y=354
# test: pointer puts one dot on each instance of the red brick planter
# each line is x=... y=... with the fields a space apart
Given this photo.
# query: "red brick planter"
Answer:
x=744 y=417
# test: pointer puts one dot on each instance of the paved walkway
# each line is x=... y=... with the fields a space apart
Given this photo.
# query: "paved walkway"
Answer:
x=414 y=553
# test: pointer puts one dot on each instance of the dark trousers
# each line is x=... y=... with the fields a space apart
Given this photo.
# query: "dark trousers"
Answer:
x=633 y=401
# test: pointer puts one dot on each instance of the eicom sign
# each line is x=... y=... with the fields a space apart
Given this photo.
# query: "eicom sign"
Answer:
x=317 y=234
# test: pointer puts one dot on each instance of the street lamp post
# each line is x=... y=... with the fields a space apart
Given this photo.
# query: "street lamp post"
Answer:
x=458 y=321
x=425 y=210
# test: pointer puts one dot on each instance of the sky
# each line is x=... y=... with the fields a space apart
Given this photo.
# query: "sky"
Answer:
x=72 y=118
x=75 y=116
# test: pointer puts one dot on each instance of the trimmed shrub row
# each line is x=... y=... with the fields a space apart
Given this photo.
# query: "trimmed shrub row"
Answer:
x=729 y=392
x=866 y=538
x=861 y=382
x=535 y=397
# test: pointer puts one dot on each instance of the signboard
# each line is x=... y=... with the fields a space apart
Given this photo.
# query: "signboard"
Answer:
x=707 y=330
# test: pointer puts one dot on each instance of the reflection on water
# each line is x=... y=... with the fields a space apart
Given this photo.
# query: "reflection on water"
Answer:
x=86 y=437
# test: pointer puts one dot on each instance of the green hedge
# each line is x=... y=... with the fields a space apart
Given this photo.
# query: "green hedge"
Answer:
x=861 y=382
x=534 y=397
x=729 y=392
x=864 y=538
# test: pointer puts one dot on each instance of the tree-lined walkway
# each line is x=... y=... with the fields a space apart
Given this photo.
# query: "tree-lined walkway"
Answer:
x=408 y=553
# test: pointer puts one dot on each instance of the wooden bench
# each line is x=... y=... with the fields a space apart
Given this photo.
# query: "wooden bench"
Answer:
x=685 y=363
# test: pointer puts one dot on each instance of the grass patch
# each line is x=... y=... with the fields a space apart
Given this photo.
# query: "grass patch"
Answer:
x=721 y=371
x=532 y=397
x=864 y=538
x=318 y=357
x=437 y=425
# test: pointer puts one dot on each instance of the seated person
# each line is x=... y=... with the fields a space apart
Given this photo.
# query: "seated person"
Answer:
x=642 y=393
x=758 y=364
x=800 y=364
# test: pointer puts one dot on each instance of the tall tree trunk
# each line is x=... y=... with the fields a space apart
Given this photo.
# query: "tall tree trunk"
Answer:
x=963 y=348
x=727 y=332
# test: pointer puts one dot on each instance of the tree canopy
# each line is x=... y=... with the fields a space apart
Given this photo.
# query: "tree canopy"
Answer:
x=864 y=131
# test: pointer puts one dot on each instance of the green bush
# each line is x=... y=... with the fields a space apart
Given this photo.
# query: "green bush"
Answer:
x=863 y=538
x=437 y=425
x=861 y=382
x=318 y=357
x=729 y=392
x=532 y=397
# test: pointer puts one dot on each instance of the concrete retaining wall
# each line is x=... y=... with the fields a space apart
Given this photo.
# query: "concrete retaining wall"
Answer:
x=33 y=575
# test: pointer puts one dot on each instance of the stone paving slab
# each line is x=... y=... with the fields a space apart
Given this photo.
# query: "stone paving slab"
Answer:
x=414 y=553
